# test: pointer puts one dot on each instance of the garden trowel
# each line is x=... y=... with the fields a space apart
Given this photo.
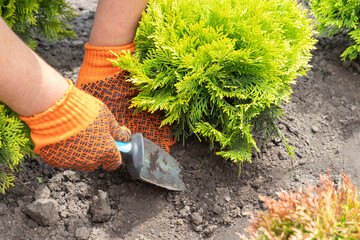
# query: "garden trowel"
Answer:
x=148 y=162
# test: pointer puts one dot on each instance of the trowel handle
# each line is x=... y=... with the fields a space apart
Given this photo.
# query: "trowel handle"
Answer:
x=123 y=146
x=134 y=154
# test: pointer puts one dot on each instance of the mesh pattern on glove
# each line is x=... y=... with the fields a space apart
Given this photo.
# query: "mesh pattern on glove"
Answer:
x=116 y=93
x=77 y=132
x=91 y=147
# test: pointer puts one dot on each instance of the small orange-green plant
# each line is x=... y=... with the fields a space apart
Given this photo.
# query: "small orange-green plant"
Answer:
x=322 y=212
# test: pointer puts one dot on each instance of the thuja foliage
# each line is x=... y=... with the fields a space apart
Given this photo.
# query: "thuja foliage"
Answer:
x=334 y=16
x=218 y=67
x=15 y=144
x=38 y=18
x=322 y=212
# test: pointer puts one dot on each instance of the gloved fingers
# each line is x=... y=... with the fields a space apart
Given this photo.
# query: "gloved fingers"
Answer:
x=66 y=155
x=112 y=160
x=83 y=152
x=88 y=149
x=119 y=133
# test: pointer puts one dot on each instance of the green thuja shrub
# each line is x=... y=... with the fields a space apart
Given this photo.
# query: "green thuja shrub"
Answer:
x=321 y=212
x=15 y=144
x=38 y=18
x=217 y=68
x=334 y=16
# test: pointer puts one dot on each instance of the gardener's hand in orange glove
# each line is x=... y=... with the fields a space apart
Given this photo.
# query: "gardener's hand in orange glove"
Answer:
x=77 y=132
x=104 y=81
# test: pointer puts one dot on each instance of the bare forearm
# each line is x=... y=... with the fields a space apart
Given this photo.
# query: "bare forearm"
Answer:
x=28 y=84
x=116 y=22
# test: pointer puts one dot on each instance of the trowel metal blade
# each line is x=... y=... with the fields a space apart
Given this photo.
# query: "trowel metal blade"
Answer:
x=160 y=168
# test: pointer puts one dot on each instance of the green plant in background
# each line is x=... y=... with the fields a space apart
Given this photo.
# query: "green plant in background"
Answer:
x=218 y=67
x=29 y=19
x=15 y=144
x=334 y=16
x=321 y=212
x=38 y=18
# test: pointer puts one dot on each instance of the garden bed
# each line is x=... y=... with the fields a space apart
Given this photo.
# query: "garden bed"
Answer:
x=322 y=124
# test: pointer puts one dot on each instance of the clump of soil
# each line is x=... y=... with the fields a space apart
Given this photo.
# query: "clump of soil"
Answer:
x=322 y=123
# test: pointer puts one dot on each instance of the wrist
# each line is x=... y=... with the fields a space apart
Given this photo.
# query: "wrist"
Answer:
x=68 y=116
x=97 y=65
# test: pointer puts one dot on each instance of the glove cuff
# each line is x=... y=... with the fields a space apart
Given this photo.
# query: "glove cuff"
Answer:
x=96 y=64
x=68 y=116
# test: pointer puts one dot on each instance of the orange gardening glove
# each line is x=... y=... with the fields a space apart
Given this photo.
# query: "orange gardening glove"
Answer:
x=77 y=132
x=104 y=81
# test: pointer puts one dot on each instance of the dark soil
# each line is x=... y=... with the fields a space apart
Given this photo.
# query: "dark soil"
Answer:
x=322 y=124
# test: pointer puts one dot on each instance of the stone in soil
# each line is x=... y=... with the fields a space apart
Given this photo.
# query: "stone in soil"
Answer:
x=42 y=192
x=43 y=211
x=100 y=208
